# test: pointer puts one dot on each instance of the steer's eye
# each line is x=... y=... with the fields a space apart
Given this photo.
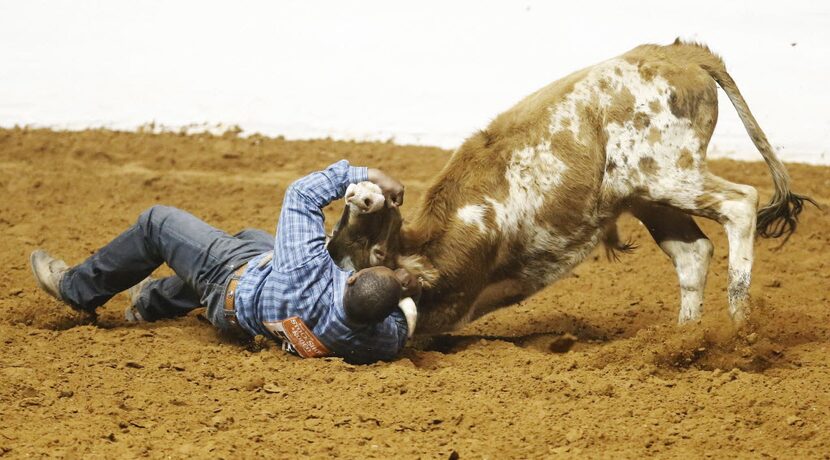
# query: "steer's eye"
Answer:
x=367 y=202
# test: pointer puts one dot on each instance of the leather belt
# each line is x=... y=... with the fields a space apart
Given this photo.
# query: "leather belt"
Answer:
x=230 y=296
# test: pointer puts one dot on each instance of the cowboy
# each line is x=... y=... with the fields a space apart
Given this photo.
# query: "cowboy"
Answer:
x=290 y=290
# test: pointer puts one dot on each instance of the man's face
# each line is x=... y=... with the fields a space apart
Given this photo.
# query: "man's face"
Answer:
x=409 y=284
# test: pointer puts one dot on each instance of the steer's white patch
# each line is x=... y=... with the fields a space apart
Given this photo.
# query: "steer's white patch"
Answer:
x=629 y=143
x=565 y=114
x=740 y=218
x=531 y=173
x=473 y=214
x=691 y=261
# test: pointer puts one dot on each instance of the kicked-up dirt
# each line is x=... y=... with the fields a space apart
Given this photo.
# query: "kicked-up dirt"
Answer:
x=593 y=366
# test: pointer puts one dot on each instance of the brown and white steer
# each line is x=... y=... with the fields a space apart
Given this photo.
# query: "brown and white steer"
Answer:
x=523 y=201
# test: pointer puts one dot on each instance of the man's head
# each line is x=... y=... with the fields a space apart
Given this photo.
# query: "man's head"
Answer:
x=373 y=293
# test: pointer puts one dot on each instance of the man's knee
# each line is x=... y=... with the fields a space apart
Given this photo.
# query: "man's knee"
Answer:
x=154 y=215
x=246 y=233
x=256 y=235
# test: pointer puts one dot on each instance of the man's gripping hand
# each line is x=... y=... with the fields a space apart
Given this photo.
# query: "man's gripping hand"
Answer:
x=392 y=189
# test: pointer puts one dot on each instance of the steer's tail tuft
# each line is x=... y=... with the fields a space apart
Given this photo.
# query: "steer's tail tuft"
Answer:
x=780 y=216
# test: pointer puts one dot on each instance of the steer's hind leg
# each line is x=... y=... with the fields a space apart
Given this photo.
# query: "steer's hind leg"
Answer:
x=690 y=250
x=733 y=206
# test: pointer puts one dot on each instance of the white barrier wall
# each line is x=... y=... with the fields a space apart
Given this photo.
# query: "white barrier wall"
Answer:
x=428 y=72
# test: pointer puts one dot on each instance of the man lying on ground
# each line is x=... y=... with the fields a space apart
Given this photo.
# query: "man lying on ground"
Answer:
x=291 y=291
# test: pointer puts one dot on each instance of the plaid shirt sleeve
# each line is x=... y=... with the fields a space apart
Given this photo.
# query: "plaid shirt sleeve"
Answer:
x=301 y=235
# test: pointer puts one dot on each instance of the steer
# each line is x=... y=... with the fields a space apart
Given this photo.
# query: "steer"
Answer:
x=523 y=201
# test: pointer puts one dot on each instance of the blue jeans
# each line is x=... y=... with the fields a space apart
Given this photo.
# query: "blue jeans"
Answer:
x=203 y=258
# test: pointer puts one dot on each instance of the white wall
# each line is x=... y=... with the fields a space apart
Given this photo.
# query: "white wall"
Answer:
x=428 y=72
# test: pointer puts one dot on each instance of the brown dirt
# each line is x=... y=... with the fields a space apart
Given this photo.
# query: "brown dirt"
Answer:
x=511 y=385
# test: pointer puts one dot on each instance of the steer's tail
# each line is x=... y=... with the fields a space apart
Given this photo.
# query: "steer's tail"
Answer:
x=780 y=216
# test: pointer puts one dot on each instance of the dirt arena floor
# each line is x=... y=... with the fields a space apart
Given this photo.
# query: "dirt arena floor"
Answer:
x=507 y=386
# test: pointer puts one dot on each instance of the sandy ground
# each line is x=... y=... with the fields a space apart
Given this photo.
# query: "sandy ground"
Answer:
x=634 y=384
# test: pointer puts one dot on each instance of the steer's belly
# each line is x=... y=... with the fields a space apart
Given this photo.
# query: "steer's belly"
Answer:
x=551 y=254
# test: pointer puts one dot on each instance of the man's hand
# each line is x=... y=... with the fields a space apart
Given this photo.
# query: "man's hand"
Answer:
x=392 y=189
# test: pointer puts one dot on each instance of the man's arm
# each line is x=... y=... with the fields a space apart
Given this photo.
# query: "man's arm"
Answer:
x=301 y=235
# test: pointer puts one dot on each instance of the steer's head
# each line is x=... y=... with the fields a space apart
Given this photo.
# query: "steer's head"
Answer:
x=368 y=233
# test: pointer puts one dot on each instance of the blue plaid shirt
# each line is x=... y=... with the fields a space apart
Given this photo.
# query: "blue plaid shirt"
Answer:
x=303 y=280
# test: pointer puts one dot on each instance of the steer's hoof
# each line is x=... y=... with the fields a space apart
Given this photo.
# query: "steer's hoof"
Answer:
x=365 y=197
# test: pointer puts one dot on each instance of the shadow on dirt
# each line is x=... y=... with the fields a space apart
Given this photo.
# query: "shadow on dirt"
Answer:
x=556 y=334
x=711 y=344
x=451 y=344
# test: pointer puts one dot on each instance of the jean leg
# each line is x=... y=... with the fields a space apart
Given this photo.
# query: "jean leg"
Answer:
x=117 y=266
x=201 y=255
x=171 y=297
x=168 y=297
x=255 y=242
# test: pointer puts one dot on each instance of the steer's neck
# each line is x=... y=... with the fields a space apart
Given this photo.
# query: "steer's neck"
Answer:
x=435 y=232
x=461 y=250
x=459 y=278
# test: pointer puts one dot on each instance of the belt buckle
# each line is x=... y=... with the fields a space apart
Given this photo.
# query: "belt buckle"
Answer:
x=229 y=307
